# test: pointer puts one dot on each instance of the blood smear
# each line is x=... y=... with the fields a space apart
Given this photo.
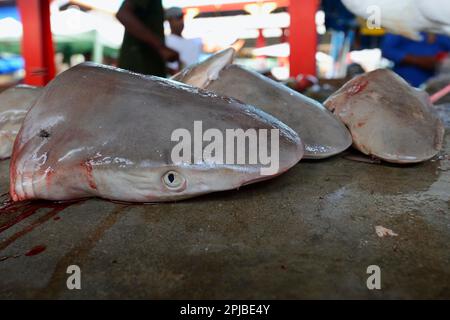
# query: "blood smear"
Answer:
x=357 y=87
x=35 y=251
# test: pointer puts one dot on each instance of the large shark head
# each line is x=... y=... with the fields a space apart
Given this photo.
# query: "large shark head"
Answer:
x=104 y=132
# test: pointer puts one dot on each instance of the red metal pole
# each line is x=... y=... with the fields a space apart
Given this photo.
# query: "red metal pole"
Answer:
x=37 y=43
x=303 y=37
x=261 y=40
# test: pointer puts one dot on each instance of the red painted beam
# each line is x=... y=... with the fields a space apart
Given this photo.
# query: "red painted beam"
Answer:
x=37 y=43
x=303 y=37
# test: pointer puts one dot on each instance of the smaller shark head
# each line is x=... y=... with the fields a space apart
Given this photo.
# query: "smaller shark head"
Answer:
x=201 y=74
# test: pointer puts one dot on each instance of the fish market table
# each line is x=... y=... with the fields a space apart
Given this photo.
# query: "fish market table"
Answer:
x=310 y=233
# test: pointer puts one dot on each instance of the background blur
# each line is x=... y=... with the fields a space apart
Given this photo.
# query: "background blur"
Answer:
x=304 y=43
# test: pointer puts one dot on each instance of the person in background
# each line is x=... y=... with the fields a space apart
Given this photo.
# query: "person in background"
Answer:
x=416 y=61
x=338 y=17
x=143 y=49
x=189 y=50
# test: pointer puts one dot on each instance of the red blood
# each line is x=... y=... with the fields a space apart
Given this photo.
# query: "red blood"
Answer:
x=35 y=251
x=357 y=87
x=57 y=218
x=22 y=210
x=48 y=177
x=12 y=177
x=90 y=176
x=27 y=209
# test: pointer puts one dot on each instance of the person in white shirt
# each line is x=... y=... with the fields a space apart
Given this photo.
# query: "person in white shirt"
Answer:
x=190 y=50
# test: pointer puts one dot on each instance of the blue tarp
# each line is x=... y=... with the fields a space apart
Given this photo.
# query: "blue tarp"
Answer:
x=9 y=12
x=11 y=64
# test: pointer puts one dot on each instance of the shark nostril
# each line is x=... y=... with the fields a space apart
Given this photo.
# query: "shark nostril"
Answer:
x=44 y=134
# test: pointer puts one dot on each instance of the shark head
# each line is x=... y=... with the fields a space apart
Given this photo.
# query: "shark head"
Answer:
x=201 y=74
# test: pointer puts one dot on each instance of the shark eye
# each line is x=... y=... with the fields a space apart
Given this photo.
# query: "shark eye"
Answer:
x=174 y=181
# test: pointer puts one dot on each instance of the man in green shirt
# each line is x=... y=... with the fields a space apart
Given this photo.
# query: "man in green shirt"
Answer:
x=143 y=49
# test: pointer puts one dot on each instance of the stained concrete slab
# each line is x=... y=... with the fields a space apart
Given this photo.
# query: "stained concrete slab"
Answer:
x=307 y=234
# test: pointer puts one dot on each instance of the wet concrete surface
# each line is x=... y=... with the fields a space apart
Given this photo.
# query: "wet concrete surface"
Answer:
x=307 y=234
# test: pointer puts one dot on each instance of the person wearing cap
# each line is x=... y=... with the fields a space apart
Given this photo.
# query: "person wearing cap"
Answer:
x=189 y=50
x=143 y=49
